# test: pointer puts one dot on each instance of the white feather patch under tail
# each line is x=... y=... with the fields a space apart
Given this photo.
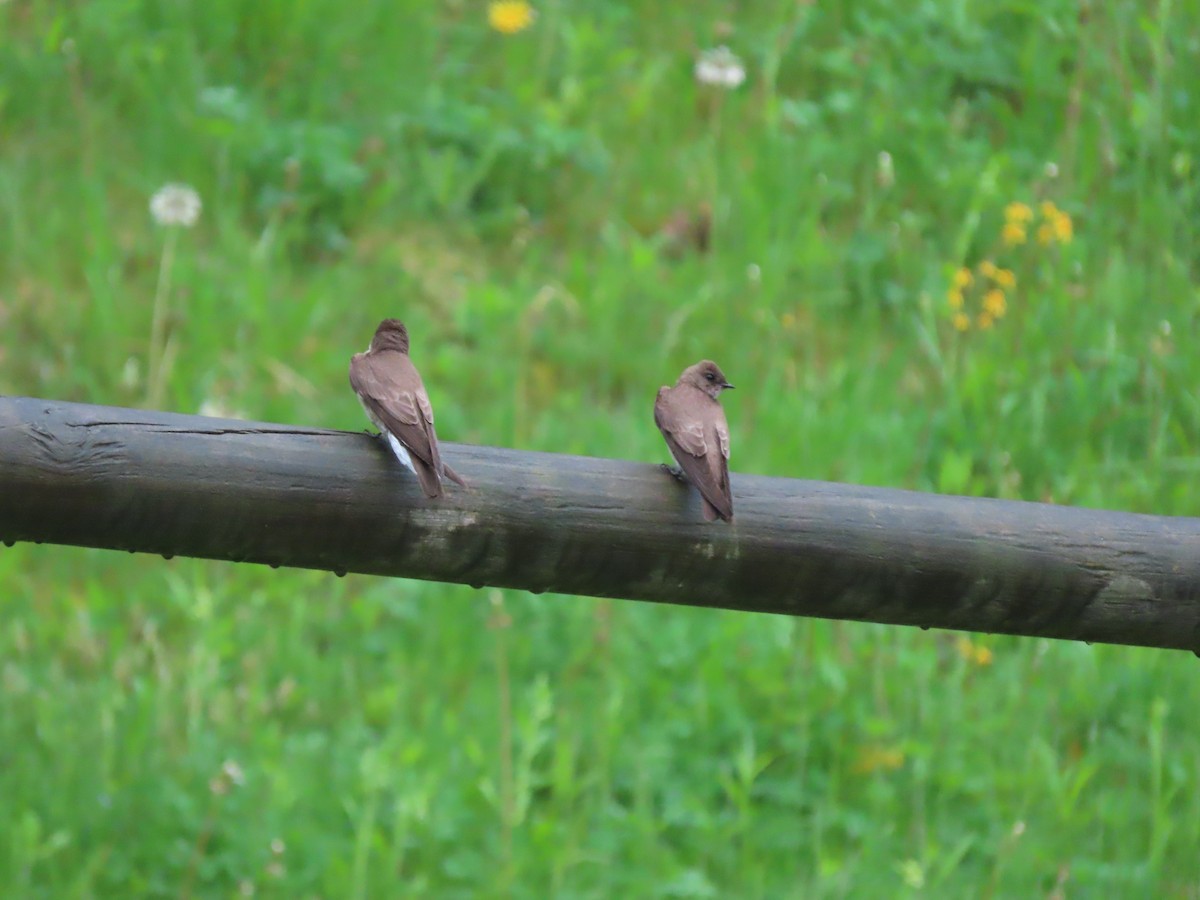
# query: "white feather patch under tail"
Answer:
x=400 y=450
x=394 y=442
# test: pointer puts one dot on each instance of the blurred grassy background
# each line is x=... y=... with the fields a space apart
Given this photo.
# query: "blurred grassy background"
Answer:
x=529 y=204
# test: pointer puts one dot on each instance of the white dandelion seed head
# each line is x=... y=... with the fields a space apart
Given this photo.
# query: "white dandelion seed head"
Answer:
x=176 y=204
x=720 y=67
x=233 y=772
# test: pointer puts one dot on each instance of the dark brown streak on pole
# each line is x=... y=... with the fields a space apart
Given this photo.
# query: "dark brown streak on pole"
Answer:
x=253 y=492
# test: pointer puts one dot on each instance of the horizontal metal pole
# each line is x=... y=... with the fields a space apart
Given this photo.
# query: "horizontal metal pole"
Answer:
x=226 y=489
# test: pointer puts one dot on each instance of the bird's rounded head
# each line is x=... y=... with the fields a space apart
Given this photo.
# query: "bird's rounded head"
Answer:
x=390 y=335
x=707 y=376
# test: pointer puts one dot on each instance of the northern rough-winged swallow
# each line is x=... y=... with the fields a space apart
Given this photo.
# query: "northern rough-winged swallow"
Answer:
x=390 y=389
x=693 y=422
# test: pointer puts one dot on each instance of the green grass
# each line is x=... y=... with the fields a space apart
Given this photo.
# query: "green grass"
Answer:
x=503 y=195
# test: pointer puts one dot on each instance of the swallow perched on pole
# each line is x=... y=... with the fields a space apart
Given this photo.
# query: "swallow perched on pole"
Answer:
x=691 y=419
x=390 y=389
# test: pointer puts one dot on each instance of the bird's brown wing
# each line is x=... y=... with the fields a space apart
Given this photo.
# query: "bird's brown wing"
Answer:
x=703 y=458
x=720 y=466
x=391 y=388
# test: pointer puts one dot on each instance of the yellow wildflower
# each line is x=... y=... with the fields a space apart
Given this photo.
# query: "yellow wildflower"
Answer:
x=955 y=298
x=1005 y=278
x=994 y=303
x=872 y=759
x=985 y=321
x=1049 y=210
x=1045 y=234
x=510 y=16
x=963 y=278
x=987 y=268
x=1013 y=234
x=1063 y=228
x=962 y=321
x=974 y=653
x=1017 y=213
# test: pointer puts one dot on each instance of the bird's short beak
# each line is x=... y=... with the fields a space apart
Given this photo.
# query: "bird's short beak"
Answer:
x=727 y=386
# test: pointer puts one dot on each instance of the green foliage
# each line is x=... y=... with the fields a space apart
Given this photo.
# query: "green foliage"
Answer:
x=508 y=196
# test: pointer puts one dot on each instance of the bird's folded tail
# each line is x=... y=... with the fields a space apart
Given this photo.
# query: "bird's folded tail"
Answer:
x=711 y=513
x=454 y=476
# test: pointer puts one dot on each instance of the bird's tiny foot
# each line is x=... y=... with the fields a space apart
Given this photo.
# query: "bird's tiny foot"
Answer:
x=675 y=472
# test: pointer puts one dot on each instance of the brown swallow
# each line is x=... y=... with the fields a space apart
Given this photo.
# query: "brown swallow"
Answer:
x=390 y=389
x=693 y=423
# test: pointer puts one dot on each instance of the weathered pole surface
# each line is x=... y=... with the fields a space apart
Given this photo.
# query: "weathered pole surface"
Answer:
x=226 y=489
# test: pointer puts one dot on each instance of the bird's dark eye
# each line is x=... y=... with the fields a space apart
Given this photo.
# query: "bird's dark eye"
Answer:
x=709 y=376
